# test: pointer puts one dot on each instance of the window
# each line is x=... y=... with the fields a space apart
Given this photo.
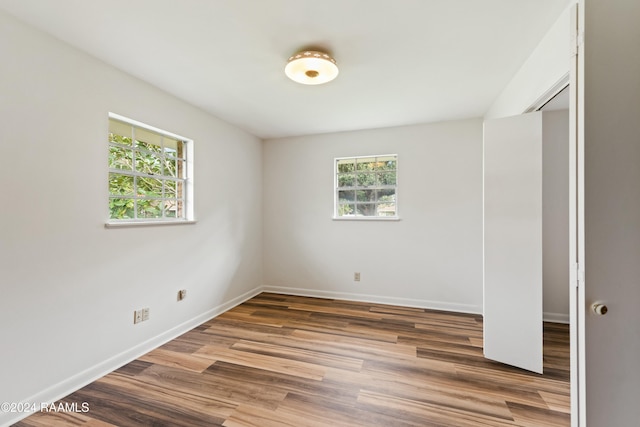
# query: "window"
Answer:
x=149 y=174
x=365 y=187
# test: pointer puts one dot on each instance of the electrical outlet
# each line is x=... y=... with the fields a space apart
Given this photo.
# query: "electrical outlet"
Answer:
x=140 y=315
x=356 y=276
x=182 y=294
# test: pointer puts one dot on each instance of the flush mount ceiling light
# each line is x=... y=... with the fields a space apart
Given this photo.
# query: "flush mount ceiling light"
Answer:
x=311 y=67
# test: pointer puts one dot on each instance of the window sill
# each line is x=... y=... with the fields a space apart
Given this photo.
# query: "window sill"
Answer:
x=126 y=224
x=366 y=218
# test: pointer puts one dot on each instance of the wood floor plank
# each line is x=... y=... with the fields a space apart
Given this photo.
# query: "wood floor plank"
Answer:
x=280 y=360
x=443 y=390
x=529 y=416
x=323 y=412
x=164 y=357
x=357 y=347
x=248 y=416
x=300 y=355
x=430 y=414
x=283 y=384
x=334 y=311
x=222 y=391
x=199 y=406
x=557 y=402
x=268 y=363
x=61 y=419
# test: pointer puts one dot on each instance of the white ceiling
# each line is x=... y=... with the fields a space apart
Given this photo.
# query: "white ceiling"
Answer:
x=401 y=61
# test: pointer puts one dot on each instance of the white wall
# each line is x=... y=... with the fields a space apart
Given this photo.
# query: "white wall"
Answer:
x=431 y=258
x=546 y=67
x=555 y=215
x=69 y=286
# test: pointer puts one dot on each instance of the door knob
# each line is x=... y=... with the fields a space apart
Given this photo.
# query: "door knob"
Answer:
x=600 y=309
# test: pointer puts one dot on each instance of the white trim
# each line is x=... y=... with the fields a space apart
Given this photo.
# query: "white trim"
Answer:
x=379 y=299
x=146 y=223
x=577 y=243
x=365 y=218
x=548 y=95
x=68 y=386
x=147 y=127
x=367 y=156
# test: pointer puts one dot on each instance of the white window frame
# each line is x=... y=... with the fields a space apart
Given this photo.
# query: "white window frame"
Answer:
x=187 y=193
x=336 y=189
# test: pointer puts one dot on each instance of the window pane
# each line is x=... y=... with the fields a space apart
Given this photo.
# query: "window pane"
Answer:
x=387 y=178
x=120 y=158
x=386 y=209
x=346 y=209
x=149 y=208
x=171 y=208
x=366 y=209
x=148 y=163
x=149 y=187
x=366 y=195
x=346 y=180
x=170 y=189
x=366 y=164
x=170 y=167
x=121 y=208
x=148 y=146
x=173 y=148
x=346 y=195
x=170 y=152
x=121 y=128
x=119 y=139
x=120 y=185
x=346 y=165
x=387 y=195
x=148 y=140
x=386 y=163
x=366 y=179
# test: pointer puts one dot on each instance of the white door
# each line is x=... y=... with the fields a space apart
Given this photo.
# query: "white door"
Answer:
x=513 y=241
x=608 y=130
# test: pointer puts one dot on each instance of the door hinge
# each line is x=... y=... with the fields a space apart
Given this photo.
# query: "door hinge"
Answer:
x=577 y=40
x=579 y=276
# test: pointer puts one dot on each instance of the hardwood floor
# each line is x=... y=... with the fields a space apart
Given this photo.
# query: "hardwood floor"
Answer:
x=280 y=360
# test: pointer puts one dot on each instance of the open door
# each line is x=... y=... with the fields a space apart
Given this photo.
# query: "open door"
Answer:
x=513 y=241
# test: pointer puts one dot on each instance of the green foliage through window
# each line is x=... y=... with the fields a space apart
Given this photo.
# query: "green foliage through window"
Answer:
x=147 y=174
x=366 y=186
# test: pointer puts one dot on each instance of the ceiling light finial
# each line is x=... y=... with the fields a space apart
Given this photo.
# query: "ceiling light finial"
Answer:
x=311 y=67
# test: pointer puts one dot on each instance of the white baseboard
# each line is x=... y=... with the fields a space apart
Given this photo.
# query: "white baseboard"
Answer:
x=81 y=379
x=405 y=302
x=556 y=317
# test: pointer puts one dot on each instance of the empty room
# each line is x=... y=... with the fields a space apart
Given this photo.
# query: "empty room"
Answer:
x=339 y=213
